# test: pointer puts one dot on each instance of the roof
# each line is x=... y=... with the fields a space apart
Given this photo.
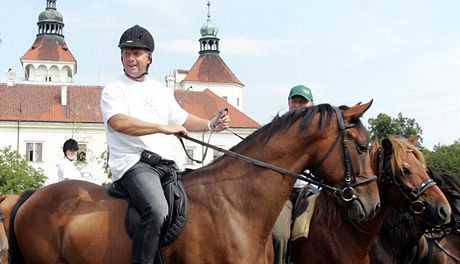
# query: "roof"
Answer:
x=209 y=67
x=32 y=102
x=42 y=103
x=205 y=104
x=49 y=48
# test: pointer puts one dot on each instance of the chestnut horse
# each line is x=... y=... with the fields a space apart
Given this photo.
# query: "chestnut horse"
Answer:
x=405 y=239
x=233 y=204
x=403 y=182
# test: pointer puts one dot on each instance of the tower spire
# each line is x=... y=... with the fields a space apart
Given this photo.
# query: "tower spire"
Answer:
x=50 y=21
x=209 y=43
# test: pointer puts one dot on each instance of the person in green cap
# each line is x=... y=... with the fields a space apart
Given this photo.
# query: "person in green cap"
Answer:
x=299 y=96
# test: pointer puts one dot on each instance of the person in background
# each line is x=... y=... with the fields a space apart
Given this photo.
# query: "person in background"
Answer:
x=66 y=168
x=140 y=114
x=299 y=96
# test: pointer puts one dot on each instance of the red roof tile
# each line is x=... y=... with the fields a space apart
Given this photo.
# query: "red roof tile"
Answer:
x=32 y=102
x=50 y=48
x=206 y=104
x=210 y=67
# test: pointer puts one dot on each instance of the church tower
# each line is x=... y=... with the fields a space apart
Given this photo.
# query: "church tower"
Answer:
x=209 y=71
x=49 y=60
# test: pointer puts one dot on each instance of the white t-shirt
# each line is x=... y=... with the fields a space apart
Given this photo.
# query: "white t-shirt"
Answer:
x=67 y=170
x=149 y=101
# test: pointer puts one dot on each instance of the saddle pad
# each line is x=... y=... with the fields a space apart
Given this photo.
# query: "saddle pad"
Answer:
x=302 y=222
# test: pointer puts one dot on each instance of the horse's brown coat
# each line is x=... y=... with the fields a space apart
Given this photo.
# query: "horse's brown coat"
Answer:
x=232 y=204
x=332 y=237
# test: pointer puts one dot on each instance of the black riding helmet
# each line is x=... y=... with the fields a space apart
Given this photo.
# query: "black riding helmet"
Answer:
x=70 y=144
x=137 y=37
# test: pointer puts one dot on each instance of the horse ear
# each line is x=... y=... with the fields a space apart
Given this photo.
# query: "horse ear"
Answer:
x=387 y=147
x=355 y=112
x=413 y=140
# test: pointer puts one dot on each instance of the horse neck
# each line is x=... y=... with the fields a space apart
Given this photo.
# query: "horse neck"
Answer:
x=351 y=240
x=397 y=239
x=258 y=192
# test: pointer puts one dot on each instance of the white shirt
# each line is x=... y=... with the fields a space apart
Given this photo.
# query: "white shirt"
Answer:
x=67 y=170
x=149 y=101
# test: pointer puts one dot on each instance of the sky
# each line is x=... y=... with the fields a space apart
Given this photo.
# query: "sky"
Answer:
x=403 y=55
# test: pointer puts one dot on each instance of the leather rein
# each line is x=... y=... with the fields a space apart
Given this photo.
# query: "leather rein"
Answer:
x=347 y=193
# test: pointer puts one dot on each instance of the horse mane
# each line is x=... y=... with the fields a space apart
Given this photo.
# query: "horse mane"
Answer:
x=399 y=226
x=14 y=252
x=281 y=124
x=400 y=148
x=445 y=180
x=327 y=208
x=450 y=186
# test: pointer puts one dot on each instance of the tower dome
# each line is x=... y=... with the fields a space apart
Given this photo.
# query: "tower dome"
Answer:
x=50 y=15
x=50 y=21
x=209 y=29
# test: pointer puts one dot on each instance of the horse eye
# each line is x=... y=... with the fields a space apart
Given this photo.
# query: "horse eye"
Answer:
x=363 y=148
x=406 y=171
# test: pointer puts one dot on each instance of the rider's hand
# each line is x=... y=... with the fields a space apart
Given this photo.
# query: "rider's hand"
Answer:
x=221 y=121
x=177 y=130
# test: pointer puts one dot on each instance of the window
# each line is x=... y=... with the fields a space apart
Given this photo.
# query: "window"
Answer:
x=34 y=151
x=81 y=156
x=225 y=98
x=189 y=154
x=237 y=101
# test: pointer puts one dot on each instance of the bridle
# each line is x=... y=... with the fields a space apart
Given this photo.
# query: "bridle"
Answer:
x=347 y=193
x=411 y=194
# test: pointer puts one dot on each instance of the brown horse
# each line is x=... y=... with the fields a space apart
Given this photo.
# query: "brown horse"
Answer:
x=233 y=204
x=405 y=239
x=403 y=182
x=6 y=206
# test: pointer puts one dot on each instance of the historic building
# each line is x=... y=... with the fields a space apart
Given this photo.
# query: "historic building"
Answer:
x=43 y=110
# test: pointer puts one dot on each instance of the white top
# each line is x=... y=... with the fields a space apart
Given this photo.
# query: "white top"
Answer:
x=299 y=183
x=67 y=170
x=149 y=101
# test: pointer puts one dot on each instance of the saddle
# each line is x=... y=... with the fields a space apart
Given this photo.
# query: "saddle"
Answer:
x=302 y=212
x=177 y=203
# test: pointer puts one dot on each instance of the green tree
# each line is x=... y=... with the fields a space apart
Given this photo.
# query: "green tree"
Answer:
x=16 y=175
x=384 y=126
x=444 y=158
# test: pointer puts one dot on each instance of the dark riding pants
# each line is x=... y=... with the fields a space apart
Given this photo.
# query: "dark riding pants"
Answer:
x=143 y=184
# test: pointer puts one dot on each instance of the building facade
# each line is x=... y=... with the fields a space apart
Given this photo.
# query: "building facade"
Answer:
x=38 y=114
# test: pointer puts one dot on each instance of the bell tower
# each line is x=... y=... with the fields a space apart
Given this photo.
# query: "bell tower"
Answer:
x=49 y=60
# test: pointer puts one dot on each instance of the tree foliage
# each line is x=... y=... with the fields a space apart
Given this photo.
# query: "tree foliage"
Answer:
x=444 y=158
x=16 y=175
x=385 y=126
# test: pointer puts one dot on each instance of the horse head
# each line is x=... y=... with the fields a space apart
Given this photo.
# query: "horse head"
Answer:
x=404 y=181
x=342 y=160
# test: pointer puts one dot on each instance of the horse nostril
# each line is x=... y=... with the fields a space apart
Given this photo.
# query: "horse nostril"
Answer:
x=444 y=214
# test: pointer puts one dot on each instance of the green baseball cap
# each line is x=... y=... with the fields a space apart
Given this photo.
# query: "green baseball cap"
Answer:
x=301 y=90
